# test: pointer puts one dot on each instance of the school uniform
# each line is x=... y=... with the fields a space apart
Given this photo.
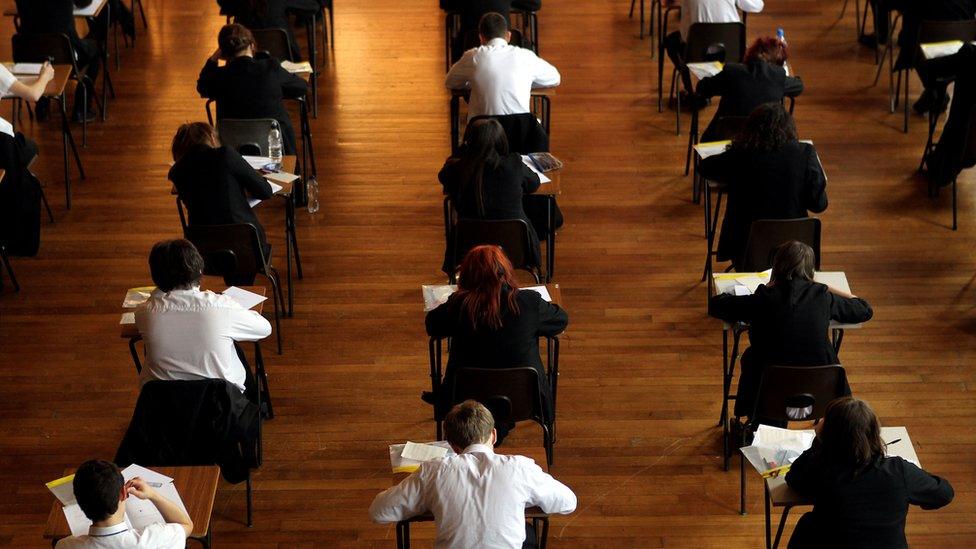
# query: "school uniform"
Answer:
x=743 y=87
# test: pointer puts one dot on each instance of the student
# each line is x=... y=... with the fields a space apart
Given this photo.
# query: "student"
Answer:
x=102 y=492
x=704 y=11
x=471 y=12
x=860 y=496
x=760 y=78
x=249 y=87
x=770 y=175
x=789 y=319
x=214 y=182
x=478 y=498
x=491 y=323
x=190 y=334
x=262 y=14
x=489 y=182
x=947 y=159
x=500 y=76
x=57 y=16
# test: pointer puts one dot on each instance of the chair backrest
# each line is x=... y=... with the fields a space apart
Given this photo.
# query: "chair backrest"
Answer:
x=512 y=235
x=727 y=127
x=228 y=250
x=473 y=40
x=525 y=134
x=247 y=136
x=725 y=42
x=37 y=48
x=512 y=394
x=944 y=31
x=766 y=234
x=798 y=393
x=275 y=42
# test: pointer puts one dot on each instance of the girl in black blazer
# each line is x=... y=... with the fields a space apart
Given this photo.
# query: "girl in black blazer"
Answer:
x=488 y=182
x=769 y=175
x=789 y=319
x=247 y=86
x=492 y=323
x=215 y=182
x=860 y=497
x=761 y=78
x=262 y=14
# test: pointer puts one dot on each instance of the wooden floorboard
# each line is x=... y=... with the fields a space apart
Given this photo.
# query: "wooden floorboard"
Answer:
x=640 y=384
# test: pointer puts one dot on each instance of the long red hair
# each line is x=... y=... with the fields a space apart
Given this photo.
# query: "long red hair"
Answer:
x=483 y=277
x=769 y=49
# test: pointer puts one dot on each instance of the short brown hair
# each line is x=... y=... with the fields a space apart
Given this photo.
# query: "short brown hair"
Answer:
x=175 y=264
x=851 y=432
x=192 y=135
x=492 y=25
x=233 y=39
x=468 y=423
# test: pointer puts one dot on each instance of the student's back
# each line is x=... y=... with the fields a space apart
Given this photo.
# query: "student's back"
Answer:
x=43 y=16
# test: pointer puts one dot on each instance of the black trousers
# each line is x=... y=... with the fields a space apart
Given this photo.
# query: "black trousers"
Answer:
x=530 y=537
x=674 y=46
x=88 y=56
x=251 y=386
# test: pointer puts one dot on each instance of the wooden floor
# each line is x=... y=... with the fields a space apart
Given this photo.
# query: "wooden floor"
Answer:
x=640 y=385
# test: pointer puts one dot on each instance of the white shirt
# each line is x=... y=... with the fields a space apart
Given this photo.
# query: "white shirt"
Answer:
x=120 y=536
x=501 y=78
x=7 y=80
x=478 y=498
x=190 y=335
x=714 y=11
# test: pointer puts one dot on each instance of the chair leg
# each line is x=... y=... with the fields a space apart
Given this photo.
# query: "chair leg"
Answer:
x=742 y=476
x=692 y=140
x=954 y=224
x=250 y=509
x=10 y=271
x=47 y=206
x=278 y=303
x=547 y=443
x=630 y=15
x=907 y=86
x=142 y=13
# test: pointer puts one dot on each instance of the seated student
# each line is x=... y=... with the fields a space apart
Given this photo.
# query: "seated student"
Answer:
x=760 y=79
x=500 y=76
x=472 y=10
x=704 y=11
x=478 y=498
x=770 y=175
x=249 y=87
x=489 y=182
x=860 y=496
x=262 y=14
x=102 y=492
x=789 y=319
x=492 y=323
x=214 y=182
x=946 y=161
x=190 y=334
x=57 y=16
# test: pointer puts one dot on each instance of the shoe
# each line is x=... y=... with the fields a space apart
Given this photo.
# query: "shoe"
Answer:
x=429 y=397
x=88 y=116
x=869 y=40
x=924 y=102
x=43 y=109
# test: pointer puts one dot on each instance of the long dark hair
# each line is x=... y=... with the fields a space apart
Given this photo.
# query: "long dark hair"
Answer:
x=793 y=260
x=485 y=145
x=482 y=278
x=851 y=433
x=767 y=129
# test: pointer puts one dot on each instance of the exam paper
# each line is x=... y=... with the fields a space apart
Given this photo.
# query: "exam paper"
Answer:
x=400 y=464
x=774 y=447
x=252 y=202
x=243 y=297
x=257 y=162
x=26 y=68
x=137 y=296
x=422 y=452
x=704 y=70
x=934 y=50
x=152 y=477
x=279 y=177
x=127 y=318
x=541 y=290
x=528 y=162
x=295 y=68
x=436 y=295
x=711 y=148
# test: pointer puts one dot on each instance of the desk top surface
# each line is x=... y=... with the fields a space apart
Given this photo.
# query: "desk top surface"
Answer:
x=197 y=486
x=55 y=87
x=212 y=283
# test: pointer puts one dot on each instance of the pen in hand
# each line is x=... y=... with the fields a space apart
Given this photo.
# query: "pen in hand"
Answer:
x=893 y=442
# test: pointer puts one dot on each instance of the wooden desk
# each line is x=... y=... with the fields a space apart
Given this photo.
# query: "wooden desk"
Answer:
x=55 y=91
x=197 y=486
x=779 y=494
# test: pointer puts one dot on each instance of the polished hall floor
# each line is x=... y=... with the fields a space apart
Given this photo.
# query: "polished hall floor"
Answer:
x=640 y=384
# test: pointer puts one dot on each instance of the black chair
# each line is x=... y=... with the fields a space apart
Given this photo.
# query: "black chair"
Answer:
x=247 y=136
x=725 y=42
x=512 y=235
x=512 y=395
x=790 y=393
x=766 y=234
x=524 y=133
x=726 y=127
x=928 y=32
x=199 y=422
x=10 y=270
x=275 y=42
x=234 y=252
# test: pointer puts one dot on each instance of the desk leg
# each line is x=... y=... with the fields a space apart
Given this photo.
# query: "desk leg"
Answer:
x=290 y=213
x=782 y=523
x=838 y=337
x=766 y=498
x=313 y=60
x=207 y=539
x=708 y=235
x=551 y=237
x=288 y=242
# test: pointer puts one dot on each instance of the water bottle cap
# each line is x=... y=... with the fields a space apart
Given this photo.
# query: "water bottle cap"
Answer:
x=779 y=32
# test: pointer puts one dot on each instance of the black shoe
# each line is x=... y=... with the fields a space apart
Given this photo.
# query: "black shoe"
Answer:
x=924 y=102
x=88 y=116
x=869 y=40
x=43 y=109
x=429 y=397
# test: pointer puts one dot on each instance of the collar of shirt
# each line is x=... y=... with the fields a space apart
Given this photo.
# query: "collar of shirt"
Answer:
x=479 y=449
x=188 y=300
x=102 y=531
x=497 y=43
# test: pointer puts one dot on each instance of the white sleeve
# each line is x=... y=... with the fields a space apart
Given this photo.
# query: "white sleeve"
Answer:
x=544 y=75
x=162 y=536
x=248 y=326
x=7 y=79
x=750 y=6
x=400 y=502
x=459 y=77
x=547 y=493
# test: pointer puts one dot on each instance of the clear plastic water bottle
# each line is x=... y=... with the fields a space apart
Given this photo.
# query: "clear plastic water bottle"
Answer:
x=312 y=193
x=781 y=36
x=274 y=145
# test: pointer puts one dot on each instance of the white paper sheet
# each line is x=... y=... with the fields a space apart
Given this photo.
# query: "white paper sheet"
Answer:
x=137 y=296
x=89 y=10
x=422 y=452
x=279 y=177
x=26 y=68
x=711 y=148
x=127 y=318
x=704 y=70
x=296 y=68
x=528 y=162
x=252 y=202
x=541 y=290
x=152 y=477
x=934 y=50
x=436 y=294
x=245 y=298
x=257 y=162
x=773 y=447
x=400 y=464
x=78 y=523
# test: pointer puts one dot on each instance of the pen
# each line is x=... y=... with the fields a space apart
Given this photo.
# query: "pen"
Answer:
x=892 y=442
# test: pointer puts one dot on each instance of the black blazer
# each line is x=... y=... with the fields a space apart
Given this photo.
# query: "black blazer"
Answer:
x=215 y=185
x=504 y=187
x=948 y=158
x=860 y=509
x=55 y=16
x=20 y=197
x=745 y=87
x=524 y=132
x=515 y=344
x=276 y=17
x=915 y=11
x=780 y=185
x=249 y=87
